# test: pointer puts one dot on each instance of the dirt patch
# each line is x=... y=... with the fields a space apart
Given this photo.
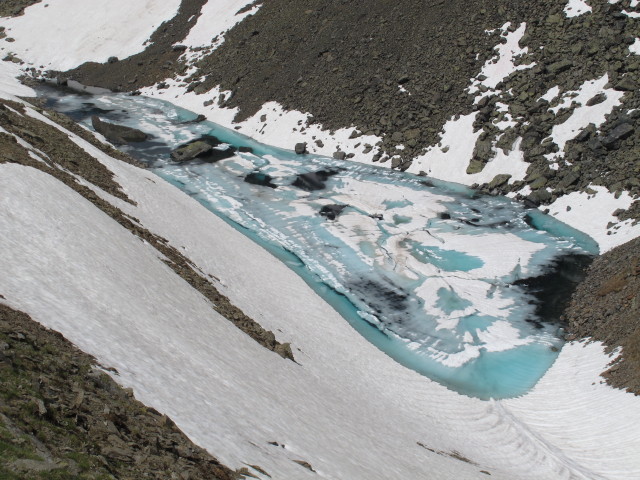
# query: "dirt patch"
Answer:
x=606 y=307
x=57 y=150
x=62 y=417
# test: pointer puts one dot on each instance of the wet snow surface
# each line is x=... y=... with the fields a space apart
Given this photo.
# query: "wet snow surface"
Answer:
x=456 y=286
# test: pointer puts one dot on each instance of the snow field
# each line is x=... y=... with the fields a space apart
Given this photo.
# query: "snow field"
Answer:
x=347 y=408
x=71 y=32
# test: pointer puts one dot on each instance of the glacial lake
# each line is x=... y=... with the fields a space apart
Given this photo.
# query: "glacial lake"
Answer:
x=463 y=288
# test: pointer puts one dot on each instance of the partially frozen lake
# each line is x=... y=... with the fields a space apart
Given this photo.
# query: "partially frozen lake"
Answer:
x=465 y=289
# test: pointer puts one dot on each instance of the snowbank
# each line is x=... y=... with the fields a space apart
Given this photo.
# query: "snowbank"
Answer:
x=72 y=32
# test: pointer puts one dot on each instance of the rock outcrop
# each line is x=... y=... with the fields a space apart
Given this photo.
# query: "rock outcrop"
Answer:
x=118 y=134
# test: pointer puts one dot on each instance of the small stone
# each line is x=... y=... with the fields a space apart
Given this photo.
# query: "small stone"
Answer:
x=559 y=67
x=619 y=133
x=300 y=148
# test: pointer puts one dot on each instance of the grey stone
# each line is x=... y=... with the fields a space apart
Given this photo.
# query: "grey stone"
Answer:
x=568 y=180
x=539 y=196
x=499 y=180
x=559 y=67
x=118 y=133
x=595 y=100
x=300 y=148
x=397 y=137
x=627 y=84
x=339 y=155
x=33 y=466
x=619 y=133
x=191 y=151
x=539 y=182
x=475 y=166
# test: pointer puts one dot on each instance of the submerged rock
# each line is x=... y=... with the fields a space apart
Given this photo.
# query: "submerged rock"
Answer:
x=118 y=134
x=199 y=119
x=258 y=178
x=331 y=212
x=314 y=180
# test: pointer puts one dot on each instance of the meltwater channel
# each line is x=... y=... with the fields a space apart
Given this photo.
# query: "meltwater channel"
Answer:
x=459 y=287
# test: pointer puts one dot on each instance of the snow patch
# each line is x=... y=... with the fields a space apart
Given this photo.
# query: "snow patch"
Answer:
x=575 y=8
x=216 y=19
x=72 y=32
x=592 y=213
x=272 y=124
x=551 y=94
x=450 y=160
x=503 y=63
x=10 y=87
x=583 y=115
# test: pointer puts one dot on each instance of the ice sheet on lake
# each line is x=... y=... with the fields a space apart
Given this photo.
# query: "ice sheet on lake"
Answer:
x=429 y=265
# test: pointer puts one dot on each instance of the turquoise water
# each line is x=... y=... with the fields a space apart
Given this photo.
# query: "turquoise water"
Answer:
x=425 y=270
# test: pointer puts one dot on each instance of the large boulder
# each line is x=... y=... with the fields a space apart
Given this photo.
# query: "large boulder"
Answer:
x=118 y=134
x=191 y=151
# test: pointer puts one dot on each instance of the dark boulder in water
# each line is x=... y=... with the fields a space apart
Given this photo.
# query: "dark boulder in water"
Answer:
x=191 y=151
x=257 y=178
x=118 y=134
x=199 y=119
x=314 y=180
x=332 y=211
x=206 y=148
x=300 y=148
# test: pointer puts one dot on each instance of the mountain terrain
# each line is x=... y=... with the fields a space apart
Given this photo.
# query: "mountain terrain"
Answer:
x=539 y=101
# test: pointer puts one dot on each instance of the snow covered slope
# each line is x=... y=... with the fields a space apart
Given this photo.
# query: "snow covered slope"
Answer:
x=345 y=408
x=71 y=32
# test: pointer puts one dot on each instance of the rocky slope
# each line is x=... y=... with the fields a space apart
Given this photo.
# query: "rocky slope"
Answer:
x=606 y=307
